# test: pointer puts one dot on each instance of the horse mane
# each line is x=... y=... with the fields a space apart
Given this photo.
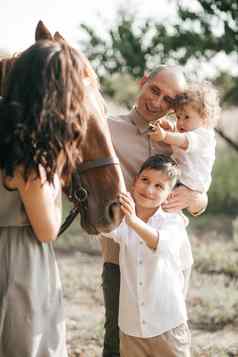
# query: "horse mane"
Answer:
x=6 y=64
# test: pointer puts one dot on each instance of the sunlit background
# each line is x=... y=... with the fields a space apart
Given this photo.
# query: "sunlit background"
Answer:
x=18 y=18
x=213 y=295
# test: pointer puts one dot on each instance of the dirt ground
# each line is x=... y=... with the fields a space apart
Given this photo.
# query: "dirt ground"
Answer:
x=80 y=273
x=81 y=276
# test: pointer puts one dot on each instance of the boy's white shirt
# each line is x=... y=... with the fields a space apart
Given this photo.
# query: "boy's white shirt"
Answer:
x=197 y=161
x=152 y=297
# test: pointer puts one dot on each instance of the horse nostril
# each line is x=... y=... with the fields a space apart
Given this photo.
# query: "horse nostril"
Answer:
x=114 y=212
x=111 y=210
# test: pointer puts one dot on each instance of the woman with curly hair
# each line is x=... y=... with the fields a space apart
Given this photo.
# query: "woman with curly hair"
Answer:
x=40 y=129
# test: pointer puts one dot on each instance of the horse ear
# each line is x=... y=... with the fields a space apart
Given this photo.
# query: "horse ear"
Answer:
x=58 y=37
x=42 y=33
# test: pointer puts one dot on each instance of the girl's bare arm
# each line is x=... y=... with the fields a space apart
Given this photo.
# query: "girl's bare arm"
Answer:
x=168 y=137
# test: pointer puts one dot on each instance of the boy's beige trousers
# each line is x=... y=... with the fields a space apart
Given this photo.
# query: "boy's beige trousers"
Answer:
x=174 y=343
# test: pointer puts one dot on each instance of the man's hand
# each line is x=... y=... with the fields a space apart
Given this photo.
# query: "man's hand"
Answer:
x=183 y=197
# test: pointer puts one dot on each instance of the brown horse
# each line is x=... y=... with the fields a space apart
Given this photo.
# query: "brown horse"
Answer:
x=98 y=179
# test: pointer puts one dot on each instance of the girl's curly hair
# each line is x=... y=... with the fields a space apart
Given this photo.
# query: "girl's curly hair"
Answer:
x=204 y=99
x=43 y=112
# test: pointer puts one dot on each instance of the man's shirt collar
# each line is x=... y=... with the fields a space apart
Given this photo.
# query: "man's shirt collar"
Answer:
x=138 y=120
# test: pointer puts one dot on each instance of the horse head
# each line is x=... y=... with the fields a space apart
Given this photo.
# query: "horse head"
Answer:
x=97 y=179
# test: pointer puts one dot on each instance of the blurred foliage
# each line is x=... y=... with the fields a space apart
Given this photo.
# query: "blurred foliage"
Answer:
x=228 y=88
x=210 y=351
x=235 y=231
x=216 y=258
x=220 y=226
x=124 y=51
x=122 y=88
x=213 y=301
x=132 y=46
x=223 y=193
x=213 y=28
x=123 y=56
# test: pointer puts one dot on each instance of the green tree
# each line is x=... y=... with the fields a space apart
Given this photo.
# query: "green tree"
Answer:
x=202 y=34
x=122 y=55
x=132 y=47
x=123 y=51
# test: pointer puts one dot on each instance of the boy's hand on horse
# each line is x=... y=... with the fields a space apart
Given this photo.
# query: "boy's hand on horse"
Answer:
x=128 y=206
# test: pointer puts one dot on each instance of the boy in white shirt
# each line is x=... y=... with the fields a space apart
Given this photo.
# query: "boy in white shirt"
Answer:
x=154 y=253
x=193 y=140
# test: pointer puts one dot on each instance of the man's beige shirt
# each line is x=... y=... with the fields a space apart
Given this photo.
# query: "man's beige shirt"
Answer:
x=132 y=147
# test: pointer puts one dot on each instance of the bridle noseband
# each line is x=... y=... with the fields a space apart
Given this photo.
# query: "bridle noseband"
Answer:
x=78 y=194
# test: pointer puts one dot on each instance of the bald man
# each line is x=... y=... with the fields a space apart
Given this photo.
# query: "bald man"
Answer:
x=133 y=146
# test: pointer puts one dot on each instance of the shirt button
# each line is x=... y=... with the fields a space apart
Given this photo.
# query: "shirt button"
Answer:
x=141 y=242
x=140 y=261
x=143 y=322
x=140 y=283
x=142 y=304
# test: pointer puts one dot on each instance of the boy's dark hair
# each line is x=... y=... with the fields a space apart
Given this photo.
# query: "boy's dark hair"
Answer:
x=165 y=164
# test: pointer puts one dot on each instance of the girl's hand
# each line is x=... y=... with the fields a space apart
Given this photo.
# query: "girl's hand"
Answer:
x=166 y=124
x=128 y=206
x=158 y=133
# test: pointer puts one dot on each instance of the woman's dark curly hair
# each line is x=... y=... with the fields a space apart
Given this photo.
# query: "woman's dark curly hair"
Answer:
x=43 y=112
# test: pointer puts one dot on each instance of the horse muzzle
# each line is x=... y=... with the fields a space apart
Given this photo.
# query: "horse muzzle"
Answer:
x=107 y=222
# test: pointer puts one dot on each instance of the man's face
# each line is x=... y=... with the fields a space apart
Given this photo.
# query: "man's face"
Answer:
x=157 y=93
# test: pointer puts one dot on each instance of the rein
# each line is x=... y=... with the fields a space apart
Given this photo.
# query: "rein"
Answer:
x=78 y=194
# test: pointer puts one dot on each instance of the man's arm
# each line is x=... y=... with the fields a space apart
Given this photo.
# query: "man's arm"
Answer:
x=183 y=197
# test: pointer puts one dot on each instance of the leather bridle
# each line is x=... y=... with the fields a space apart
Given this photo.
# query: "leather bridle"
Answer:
x=78 y=194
